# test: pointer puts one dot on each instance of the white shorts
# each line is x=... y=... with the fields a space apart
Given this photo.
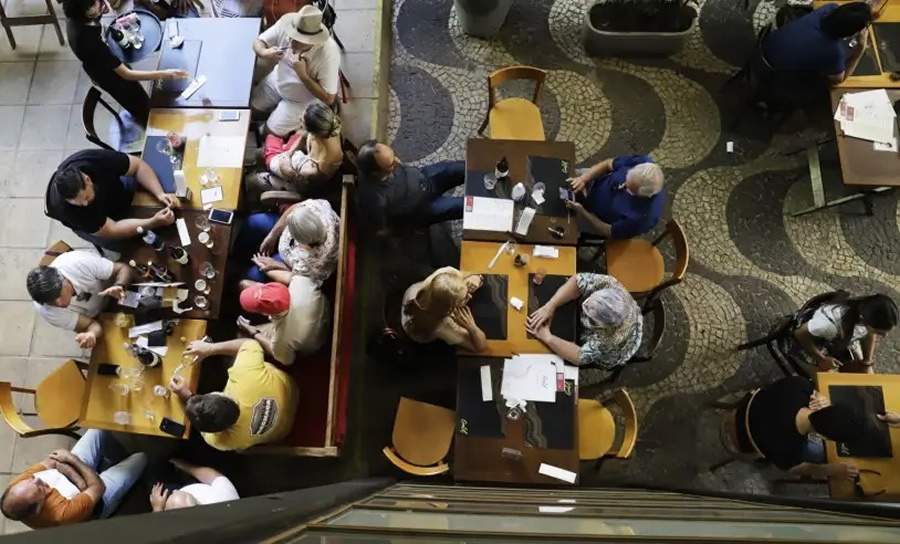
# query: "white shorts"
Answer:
x=285 y=115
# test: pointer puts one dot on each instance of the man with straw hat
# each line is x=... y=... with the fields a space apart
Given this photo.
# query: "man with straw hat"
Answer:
x=307 y=64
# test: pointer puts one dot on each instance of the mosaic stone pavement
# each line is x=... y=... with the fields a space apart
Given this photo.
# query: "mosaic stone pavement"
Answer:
x=749 y=262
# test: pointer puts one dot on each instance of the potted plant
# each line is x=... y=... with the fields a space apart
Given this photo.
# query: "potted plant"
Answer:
x=638 y=27
x=482 y=18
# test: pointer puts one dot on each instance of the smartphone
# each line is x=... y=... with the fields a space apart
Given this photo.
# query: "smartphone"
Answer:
x=229 y=115
x=107 y=369
x=221 y=216
x=170 y=427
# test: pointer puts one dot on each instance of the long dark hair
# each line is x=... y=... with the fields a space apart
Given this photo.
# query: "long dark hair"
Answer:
x=877 y=311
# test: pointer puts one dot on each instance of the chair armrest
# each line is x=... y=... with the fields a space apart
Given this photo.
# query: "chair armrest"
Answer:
x=415 y=470
x=10 y=413
x=276 y=198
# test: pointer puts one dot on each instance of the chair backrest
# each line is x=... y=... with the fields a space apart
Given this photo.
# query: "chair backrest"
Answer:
x=423 y=432
x=58 y=397
x=511 y=73
x=682 y=258
x=55 y=250
x=88 y=110
x=8 y=409
x=659 y=328
x=622 y=399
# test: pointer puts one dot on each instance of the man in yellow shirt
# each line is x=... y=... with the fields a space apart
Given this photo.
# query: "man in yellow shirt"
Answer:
x=256 y=406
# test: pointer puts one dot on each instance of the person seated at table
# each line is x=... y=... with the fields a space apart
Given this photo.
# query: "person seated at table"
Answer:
x=83 y=29
x=308 y=160
x=813 y=45
x=623 y=197
x=436 y=308
x=211 y=487
x=66 y=487
x=91 y=193
x=308 y=64
x=611 y=322
x=257 y=405
x=778 y=423
x=392 y=196
x=844 y=332
x=304 y=240
x=71 y=291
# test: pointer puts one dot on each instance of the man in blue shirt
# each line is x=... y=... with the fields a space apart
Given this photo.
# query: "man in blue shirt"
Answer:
x=623 y=197
x=814 y=43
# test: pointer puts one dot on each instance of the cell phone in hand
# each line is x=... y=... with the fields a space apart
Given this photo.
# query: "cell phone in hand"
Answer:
x=171 y=427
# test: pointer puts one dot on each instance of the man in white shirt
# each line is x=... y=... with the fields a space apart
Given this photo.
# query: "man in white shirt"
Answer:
x=71 y=291
x=213 y=487
x=308 y=61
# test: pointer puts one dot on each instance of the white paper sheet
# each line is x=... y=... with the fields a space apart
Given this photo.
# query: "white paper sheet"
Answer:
x=146 y=328
x=211 y=195
x=529 y=378
x=221 y=151
x=867 y=115
x=57 y=481
x=491 y=214
x=487 y=394
x=538 y=197
x=547 y=252
x=558 y=473
x=885 y=146
x=525 y=221
x=555 y=509
x=183 y=234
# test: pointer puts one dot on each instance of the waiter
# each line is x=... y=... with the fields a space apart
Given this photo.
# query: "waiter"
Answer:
x=105 y=69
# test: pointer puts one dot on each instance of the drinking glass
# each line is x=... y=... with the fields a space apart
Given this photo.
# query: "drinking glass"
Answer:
x=207 y=270
x=209 y=177
x=122 y=417
x=202 y=286
x=160 y=391
x=120 y=388
x=205 y=239
x=202 y=223
x=490 y=181
x=150 y=415
x=201 y=302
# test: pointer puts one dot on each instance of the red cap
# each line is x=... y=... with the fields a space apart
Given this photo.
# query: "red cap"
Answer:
x=266 y=298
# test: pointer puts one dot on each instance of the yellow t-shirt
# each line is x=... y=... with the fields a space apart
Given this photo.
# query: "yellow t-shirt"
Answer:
x=267 y=398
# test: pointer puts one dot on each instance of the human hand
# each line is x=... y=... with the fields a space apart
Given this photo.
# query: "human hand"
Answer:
x=60 y=456
x=862 y=38
x=463 y=317
x=266 y=264
x=158 y=497
x=116 y=291
x=168 y=200
x=541 y=316
x=817 y=401
x=891 y=418
x=86 y=340
x=541 y=332
x=272 y=53
x=199 y=349
x=163 y=217
x=178 y=385
x=828 y=363
x=578 y=184
x=301 y=68
x=575 y=207
x=844 y=471
x=268 y=245
x=175 y=73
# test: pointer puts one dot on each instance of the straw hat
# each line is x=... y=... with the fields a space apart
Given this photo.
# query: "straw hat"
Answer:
x=306 y=26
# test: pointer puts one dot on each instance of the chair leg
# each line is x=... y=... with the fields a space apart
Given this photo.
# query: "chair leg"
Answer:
x=756 y=343
x=55 y=22
x=7 y=27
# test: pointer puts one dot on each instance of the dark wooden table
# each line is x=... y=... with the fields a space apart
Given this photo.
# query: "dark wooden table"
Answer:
x=481 y=157
x=220 y=49
x=198 y=253
x=482 y=431
x=860 y=163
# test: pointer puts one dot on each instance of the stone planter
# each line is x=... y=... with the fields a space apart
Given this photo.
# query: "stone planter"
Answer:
x=482 y=18
x=605 y=43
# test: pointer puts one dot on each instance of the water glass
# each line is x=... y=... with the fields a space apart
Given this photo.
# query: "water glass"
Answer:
x=209 y=177
x=490 y=181
x=202 y=286
x=120 y=388
x=202 y=223
x=205 y=239
x=160 y=391
x=201 y=302
x=207 y=270
x=122 y=417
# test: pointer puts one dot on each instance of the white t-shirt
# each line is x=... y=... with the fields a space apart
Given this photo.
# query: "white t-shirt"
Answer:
x=89 y=274
x=58 y=481
x=827 y=323
x=305 y=326
x=323 y=63
x=220 y=490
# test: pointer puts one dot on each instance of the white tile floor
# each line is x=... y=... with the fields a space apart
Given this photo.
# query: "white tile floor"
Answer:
x=41 y=90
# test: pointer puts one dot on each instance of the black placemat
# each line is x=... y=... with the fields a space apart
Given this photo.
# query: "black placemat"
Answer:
x=550 y=424
x=888 y=38
x=868 y=400
x=186 y=57
x=488 y=306
x=565 y=319
x=552 y=172
x=476 y=417
x=160 y=162
x=868 y=65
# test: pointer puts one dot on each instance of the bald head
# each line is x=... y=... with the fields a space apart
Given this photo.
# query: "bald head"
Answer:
x=180 y=499
x=645 y=179
x=24 y=499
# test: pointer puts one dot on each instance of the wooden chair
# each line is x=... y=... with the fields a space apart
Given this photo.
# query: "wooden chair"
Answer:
x=89 y=109
x=597 y=428
x=57 y=402
x=48 y=18
x=638 y=264
x=55 y=250
x=514 y=118
x=421 y=439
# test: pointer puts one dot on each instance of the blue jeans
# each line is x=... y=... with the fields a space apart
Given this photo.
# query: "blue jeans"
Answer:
x=114 y=244
x=814 y=450
x=253 y=232
x=440 y=178
x=98 y=450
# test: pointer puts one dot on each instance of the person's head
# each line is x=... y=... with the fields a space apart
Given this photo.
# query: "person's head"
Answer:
x=271 y=299
x=607 y=308
x=84 y=10
x=645 y=179
x=838 y=422
x=179 y=499
x=305 y=29
x=442 y=292
x=23 y=500
x=306 y=227
x=320 y=120
x=212 y=412
x=74 y=186
x=847 y=20
x=376 y=161
x=877 y=312
x=46 y=285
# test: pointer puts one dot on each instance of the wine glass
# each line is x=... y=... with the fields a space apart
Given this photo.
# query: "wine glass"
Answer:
x=202 y=223
x=164 y=146
x=207 y=270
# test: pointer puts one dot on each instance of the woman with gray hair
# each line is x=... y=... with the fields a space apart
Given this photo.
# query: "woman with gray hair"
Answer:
x=610 y=318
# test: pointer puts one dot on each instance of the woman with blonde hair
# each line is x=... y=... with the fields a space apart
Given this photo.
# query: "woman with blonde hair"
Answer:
x=436 y=308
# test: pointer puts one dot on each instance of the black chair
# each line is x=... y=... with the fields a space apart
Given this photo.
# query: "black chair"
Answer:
x=645 y=353
x=780 y=337
x=88 y=110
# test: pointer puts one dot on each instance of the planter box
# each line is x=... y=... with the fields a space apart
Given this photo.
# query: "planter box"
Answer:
x=482 y=18
x=605 y=43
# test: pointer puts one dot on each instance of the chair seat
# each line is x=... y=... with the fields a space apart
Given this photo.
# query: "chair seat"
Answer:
x=636 y=263
x=423 y=432
x=516 y=119
x=58 y=397
x=596 y=429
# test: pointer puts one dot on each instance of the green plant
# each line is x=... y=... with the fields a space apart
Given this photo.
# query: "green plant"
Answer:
x=643 y=15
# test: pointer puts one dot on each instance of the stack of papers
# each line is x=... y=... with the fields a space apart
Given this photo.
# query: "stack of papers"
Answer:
x=492 y=214
x=868 y=115
x=535 y=377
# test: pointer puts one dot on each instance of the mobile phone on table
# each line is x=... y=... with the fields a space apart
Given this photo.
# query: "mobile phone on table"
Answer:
x=229 y=115
x=221 y=216
x=107 y=369
x=171 y=427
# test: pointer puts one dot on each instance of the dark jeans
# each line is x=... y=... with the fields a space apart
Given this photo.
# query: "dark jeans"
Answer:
x=440 y=178
x=130 y=95
x=114 y=244
x=251 y=235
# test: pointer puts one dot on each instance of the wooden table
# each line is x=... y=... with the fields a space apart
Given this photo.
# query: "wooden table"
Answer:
x=475 y=257
x=476 y=454
x=100 y=402
x=888 y=467
x=193 y=124
x=220 y=49
x=482 y=156
x=198 y=253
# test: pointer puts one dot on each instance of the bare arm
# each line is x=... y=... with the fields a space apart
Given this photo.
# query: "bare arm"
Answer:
x=868 y=348
x=148 y=179
x=94 y=486
x=128 y=74
x=598 y=225
x=228 y=347
x=122 y=273
x=826 y=470
x=805 y=339
x=270 y=243
x=205 y=475
x=565 y=294
x=267 y=345
x=87 y=332
x=311 y=84
x=569 y=351
x=281 y=276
